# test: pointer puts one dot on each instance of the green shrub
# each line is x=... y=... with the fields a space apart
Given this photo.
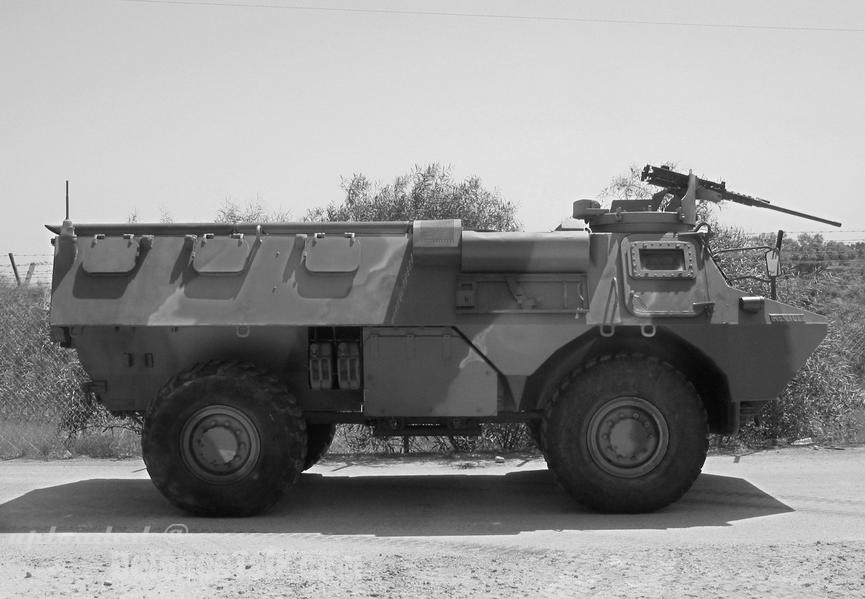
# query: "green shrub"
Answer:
x=826 y=398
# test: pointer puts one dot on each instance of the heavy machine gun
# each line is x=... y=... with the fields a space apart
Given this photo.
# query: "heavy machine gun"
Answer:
x=687 y=188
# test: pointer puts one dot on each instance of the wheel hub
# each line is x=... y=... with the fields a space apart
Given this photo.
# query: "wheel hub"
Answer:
x=627 y=437
x=220 y=444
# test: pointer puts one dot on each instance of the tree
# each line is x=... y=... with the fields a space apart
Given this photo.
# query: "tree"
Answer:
x=425 y=193
x=254 y=212
x=629 y=186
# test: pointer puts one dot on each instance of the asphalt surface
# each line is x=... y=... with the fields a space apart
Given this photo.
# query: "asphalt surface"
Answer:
x=785 y=522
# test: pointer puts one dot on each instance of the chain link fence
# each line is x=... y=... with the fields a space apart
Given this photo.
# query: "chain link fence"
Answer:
x=43 y=410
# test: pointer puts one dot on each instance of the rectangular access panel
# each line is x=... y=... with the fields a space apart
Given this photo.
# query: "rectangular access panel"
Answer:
x=425 y=372
x=664 y=277
x=110 y=255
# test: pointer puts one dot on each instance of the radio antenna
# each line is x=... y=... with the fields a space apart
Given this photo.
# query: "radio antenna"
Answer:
x=67 y=199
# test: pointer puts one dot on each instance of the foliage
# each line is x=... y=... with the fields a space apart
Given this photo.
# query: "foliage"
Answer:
x=425 y=193
x=629 y=185
x=826 y=397
x=253 y=212
x=359 y=439
x=820 y=402
x=43 y=411
x=505 y=437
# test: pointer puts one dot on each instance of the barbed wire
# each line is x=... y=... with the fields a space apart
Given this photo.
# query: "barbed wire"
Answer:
x=25 y=264
x=832 y=232
x=391 y=11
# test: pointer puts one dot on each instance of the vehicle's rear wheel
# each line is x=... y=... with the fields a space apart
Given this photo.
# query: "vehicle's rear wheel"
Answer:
x=223 y=439
x=535 y=430
x=319 y=436
x=625 y=433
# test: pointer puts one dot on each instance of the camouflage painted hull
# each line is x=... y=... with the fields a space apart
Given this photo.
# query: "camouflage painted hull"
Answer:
x=439 y=322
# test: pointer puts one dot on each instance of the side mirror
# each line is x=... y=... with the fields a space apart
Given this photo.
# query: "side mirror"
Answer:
x=773 y=263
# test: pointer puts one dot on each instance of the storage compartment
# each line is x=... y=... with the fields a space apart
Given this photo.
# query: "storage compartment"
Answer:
x=561 y=251
x=422 y=372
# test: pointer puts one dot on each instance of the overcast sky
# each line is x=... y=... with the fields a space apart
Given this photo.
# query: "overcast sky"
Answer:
x=148 y=106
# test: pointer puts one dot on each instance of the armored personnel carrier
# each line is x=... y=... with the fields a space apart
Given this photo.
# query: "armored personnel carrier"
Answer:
x=617 y=338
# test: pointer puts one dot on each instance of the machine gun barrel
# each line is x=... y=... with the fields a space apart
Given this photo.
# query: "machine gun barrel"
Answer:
x=713 y=191
x=760 y=203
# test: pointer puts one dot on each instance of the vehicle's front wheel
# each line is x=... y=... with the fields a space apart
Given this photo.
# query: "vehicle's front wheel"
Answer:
x=625 y=433
x=224 y=439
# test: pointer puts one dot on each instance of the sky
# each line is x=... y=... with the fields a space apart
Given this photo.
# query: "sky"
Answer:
x=154 y=106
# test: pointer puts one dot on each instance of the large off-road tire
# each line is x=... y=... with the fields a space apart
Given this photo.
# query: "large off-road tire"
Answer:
x=535 y=430
x=625 y=433
x=319 y=436
x=224 y=439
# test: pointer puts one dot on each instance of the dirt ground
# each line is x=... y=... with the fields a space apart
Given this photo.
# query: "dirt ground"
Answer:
x=785 y=523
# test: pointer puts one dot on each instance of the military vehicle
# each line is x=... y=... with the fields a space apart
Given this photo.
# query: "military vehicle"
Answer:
x=618 y=340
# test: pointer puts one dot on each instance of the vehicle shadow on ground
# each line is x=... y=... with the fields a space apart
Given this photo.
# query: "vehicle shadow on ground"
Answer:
x=417 y=505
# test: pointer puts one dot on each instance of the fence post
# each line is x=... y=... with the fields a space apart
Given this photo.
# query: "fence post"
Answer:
x=29 y=274
x=14 y=269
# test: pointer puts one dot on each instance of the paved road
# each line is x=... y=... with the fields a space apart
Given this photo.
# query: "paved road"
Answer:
x=788 y=522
